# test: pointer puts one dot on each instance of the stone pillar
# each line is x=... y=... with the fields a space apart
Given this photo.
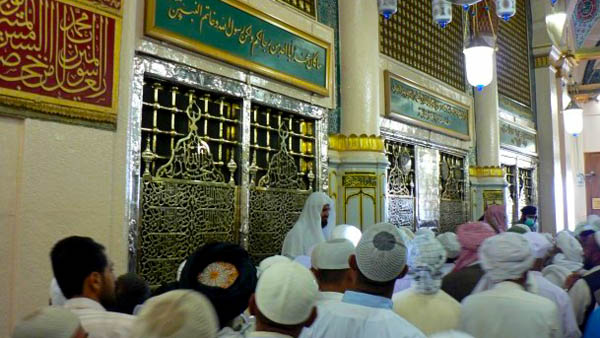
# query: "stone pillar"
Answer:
x=357 y=161
x=488 y=185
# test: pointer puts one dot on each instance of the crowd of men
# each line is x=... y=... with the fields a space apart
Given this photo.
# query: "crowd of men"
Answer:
x=486 y=280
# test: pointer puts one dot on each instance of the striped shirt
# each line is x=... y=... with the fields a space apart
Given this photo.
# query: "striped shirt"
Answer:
x=98 y=322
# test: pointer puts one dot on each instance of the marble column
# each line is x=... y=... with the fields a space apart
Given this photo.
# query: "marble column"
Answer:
x=357 y=161
x=488 y=185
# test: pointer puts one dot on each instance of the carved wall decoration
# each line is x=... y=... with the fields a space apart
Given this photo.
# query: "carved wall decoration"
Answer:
x=453 y=210
x=526 y=187
x=411 y=37
x=401 y=183
x=60 y=58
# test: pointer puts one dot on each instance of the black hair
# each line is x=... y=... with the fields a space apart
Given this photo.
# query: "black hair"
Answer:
x=73 y=260
x=331 y=276
x=130 y=290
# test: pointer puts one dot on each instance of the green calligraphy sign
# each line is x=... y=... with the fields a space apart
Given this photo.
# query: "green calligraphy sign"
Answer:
x=416 y=106
x=519 y=138
x=244 y=36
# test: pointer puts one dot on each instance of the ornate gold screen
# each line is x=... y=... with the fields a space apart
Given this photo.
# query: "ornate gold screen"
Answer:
x=525 y=187
x=412 y=37
x=453 y=210
x=305 y=6
x=211 y=159
x=510 y=171
x=513 y=57
x=401 y=183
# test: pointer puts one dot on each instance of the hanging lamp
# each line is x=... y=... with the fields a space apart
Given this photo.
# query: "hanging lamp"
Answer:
x=555 y=21
x=441 y=10
x=506 y=9
x=479 y=58
x=573 y=118
x=387 y=8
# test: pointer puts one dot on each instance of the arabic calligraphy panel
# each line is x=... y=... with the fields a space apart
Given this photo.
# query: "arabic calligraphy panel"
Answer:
x=60 y=58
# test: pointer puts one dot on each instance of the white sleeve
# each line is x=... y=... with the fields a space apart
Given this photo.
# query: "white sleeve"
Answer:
x=580 y=296
x=570 y=327
x=555 y=330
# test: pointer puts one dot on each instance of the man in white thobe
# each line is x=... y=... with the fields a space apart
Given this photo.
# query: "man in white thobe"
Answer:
x=424 y=305
x=585 y=293
x=538 y=284
x=284 y=301
x=507 y=310
x=366 y=310
x=49 y=322
x=313 y=226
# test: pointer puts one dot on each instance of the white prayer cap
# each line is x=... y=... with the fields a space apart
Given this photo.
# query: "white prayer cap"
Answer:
x=506 y=256
x=177 y=314
x=56 y=296
x=450 y=243
x=349 y=232
x=332 y=255
x=451 y=334
x=556 y=274
x=48 y=322
x=286 y=293
x=549 y=237
x=303 y=260
x=585 y=227
x=406 y=233
x=593 y=218
x=425 y=231
x=269 y=261
x=570 y=247
x=381 y=253
x=540 y=246
x=426 y=256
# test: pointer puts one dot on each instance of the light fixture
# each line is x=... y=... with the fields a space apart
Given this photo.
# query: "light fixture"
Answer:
x=573 y=118
x=555 y=22
x=479 y=62
x=506 y=9
x=441 y=10
x=387 y=8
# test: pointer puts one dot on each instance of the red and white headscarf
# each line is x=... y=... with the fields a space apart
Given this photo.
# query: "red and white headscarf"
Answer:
x=495 y=215
x=470 y=236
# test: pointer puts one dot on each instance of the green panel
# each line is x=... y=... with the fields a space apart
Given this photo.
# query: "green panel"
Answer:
x=513 y=136
x=242 y=33
x=416 y=105
x=515 y=108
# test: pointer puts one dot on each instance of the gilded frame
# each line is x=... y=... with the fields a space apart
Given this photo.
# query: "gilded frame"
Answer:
x=388 y=76
x=151 y=30
x=68 y=108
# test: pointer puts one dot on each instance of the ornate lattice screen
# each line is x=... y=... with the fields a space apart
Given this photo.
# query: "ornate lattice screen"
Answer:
x=401 y=183
x=282 y=176
x=510 y=171
x=513 y=57
x=412 y=37
x=453 y=210
x=305 y=6
x=525 y=187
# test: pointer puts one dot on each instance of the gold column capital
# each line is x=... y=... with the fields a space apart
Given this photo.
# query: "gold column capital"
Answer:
x=363 y=142
x=486 y=172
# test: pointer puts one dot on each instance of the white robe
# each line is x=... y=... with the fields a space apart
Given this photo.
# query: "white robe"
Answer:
x=308 y=231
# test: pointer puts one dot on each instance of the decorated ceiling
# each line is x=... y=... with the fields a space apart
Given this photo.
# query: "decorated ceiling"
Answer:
x=586 y=32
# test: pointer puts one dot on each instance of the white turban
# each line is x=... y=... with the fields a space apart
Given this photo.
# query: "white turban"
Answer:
x=56 y=296
x=286 y=293
x=381 y=253
x=269 y=261
x=425 y=231
x=582 y=227
x=48 y=322
x=556 y=274
x=332 y=255
x=426 y=256
x=349 y=232
x=308 y=231
x=540 y=246
x=407 y=234
x=450 y=242
x=177 y=314
x=451 y=334
x=571 y=257
x=506 y=256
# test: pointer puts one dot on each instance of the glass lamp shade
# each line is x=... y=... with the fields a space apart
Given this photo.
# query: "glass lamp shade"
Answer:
x=506 y=8
x=387 y=8
x=441 y=10
x=573 y=116
x=479 y=61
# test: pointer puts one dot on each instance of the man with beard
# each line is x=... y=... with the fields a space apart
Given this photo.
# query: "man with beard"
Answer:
x=585 y=293
x=85 y=275
x=313 y=226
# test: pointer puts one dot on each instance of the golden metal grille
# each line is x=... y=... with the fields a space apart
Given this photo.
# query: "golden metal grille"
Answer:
x=401 y=183
x=513 y=57
x=525 y=187
x=282 y=174
x=305 y=6
x=512 y=197
x=411 y=37
x=453 y=211
x=188 y=193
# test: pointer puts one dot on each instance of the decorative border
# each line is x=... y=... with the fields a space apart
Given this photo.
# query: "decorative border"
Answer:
x=158 y=33
x=146 y=65
x=388 y=76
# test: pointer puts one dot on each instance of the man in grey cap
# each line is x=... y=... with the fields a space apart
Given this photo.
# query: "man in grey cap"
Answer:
x=330 y=263
x=366 y=309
